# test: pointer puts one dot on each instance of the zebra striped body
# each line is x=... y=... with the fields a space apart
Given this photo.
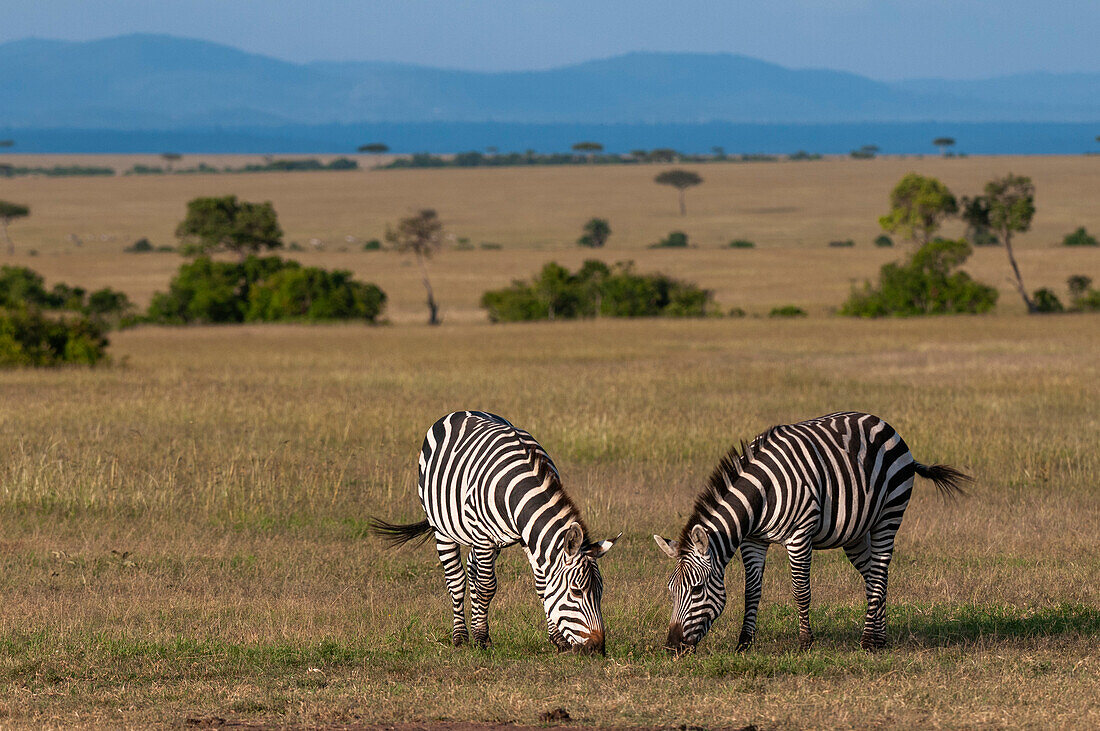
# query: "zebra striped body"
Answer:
x=838 y=481
x=487 y=485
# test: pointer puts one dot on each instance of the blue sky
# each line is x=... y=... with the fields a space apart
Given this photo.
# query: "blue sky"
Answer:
x=883 y=39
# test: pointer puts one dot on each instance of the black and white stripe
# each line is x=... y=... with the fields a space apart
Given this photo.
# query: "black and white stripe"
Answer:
x=487 y=485
x=838 y=481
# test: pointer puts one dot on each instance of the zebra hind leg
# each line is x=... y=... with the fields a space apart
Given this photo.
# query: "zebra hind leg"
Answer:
x=483 y=586
x=451 y=558
x=752 y=558
x=799 y=552
x=873 y=565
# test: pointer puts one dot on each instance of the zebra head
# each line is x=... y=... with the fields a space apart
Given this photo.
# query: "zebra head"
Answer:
x=698 y=590
x=573 y=592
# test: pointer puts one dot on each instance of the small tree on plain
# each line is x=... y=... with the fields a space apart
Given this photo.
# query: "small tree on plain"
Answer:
x=943 y=143
x=1011 y=202
x=588 y=149
x=170 y=158
x=918 y=205
x=596 y=233
x=681 y=180
x=8 y=213
x=11 y=143
x=226 y=224
x=420 y=235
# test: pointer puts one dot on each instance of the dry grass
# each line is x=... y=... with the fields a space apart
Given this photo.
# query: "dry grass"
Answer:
x=791 y=210
x=183 y=533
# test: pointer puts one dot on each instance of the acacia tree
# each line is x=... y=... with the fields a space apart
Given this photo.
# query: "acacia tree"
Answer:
x=226 y=224
x=588 y=149
x=596 y=233
x=420 y=235
x=11 y=143
x=8 y=213
x=943 y=143
x=1011 y=204
x=170 y=158
x=681 y=180
x=918 y=205
x=374 y=148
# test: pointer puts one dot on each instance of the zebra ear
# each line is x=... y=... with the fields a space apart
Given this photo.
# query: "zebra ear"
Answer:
x=574 y=539
x=671 y=548
x=700 y=541
x=603 y=547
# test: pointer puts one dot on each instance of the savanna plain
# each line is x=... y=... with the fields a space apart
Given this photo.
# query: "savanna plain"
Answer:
x=183 y=533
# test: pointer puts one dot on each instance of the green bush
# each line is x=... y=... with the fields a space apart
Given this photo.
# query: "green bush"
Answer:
x=30 y=338
x=884 y=241
x=1082 y=295
x=372 y=245
x=842 y=243
x=787 y=311
x=742 y=244
x=595 y=289
x=141 y=246
x=263 y=289
x=925 y=285
x=674 y=240
x=1046 y=301
x=1080 y=237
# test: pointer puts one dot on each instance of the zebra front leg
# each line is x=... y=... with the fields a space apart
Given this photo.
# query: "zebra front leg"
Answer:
x=753 y=555
x=483 y=586
x=799 y=552
x=451 y=558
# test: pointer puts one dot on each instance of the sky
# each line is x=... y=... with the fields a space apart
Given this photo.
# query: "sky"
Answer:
x=882 y=39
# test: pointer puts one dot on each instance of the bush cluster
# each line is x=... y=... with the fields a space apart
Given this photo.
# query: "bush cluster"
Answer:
x=22 y=288
x=1080 y=237
x=674 y=240
x=596 y=289
x=263 y=289
x=925 y=285
x=30 y=337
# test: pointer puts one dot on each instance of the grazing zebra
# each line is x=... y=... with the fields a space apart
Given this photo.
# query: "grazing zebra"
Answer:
x=488 y=485
x=838 y=481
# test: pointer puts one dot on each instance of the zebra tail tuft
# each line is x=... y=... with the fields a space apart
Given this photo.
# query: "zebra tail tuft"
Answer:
x=948 y=480
x=399 y=534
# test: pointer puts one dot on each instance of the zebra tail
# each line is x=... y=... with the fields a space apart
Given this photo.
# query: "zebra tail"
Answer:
x=399 y=534
x=948 y=480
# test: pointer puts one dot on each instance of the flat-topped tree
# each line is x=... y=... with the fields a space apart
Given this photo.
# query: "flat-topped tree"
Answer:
x=681 y=180
x=374 y=148
x=918 y=205
x=11 y=143
x=596 y=233
x=8 y=213
x=170 y=158
x=588 y=149
x=227 y=224
x=420 y=235
x=943 y=143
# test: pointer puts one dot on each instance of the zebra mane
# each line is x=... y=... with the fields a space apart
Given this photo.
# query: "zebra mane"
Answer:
x=721 y=481
x=547 y=474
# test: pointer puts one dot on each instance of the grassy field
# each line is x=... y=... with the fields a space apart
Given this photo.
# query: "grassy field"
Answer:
x=790 y=209
x=182 y=534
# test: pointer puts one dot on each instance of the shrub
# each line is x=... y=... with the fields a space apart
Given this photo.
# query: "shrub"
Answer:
x=30 y=338
x=735 y=312
x=372 y=245
x=842 y=243
x=22 y=286
x=787 y=311
x=883 y=241
x=596 y=233
x=141 y=246
x=674 y=240
x=1046 y=301
x=1081 y=293
x=1080 y=237
x=595 y=289
x=925 y=285
x=264 y=289
x=742 y=244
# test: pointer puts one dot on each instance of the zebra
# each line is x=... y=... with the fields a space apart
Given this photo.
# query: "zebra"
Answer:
x=840 y=480
x=487 y=485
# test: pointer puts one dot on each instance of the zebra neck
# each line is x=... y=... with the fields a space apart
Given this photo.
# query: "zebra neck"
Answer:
x=731 y=517
x=542 y=535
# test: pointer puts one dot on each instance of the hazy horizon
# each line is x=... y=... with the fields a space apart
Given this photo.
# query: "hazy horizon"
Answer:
x=885 y=40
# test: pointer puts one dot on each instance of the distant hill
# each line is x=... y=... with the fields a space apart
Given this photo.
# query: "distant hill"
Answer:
x=152 y=82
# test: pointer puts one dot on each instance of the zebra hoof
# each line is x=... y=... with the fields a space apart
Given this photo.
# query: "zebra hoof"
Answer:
x=483 y=643
x=459 y=640
x=871 y=643
x=744 y=642
x=805 y=641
